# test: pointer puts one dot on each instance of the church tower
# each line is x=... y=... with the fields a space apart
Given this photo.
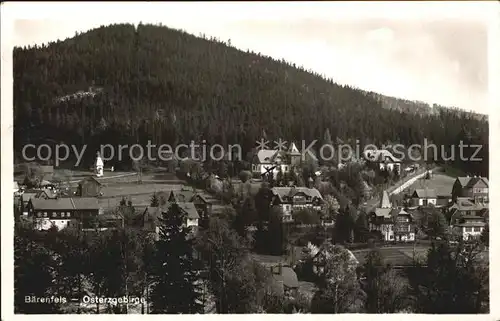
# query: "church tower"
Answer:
x=294 y=154
x=99 y=166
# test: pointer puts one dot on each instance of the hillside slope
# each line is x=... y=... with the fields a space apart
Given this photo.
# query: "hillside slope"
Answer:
x=128 y=85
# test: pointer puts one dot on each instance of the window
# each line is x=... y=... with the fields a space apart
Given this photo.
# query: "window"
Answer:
x=477 y=229
x=44 y=214
x=468 y=229
x=68 y=214
x=54 y=214
x=39 y=214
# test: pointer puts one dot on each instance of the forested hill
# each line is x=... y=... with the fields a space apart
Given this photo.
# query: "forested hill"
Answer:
x=120 y=84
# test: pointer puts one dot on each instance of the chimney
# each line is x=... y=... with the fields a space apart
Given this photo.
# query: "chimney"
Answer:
x=280 y=269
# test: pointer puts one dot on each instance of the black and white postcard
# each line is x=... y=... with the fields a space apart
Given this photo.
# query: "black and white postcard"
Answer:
x=248 y=158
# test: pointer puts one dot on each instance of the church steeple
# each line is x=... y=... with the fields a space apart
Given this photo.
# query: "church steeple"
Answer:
x=385 y=202
x=99 y=166
x=294 y=154
x=293 y=150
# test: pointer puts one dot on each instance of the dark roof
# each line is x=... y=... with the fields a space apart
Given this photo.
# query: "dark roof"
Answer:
x=80 y=203
x=465 y=204
x=155 y=212
x=182 y=195
x=425 y=193
x=471 y=181
x=85 y=203
x=188 y=207
x=185 y=195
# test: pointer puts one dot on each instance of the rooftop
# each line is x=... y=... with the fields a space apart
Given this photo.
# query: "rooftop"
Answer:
x=425 y=193
x=282 y=192
x=77 y=203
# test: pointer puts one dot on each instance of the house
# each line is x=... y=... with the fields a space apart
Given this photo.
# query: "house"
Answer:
x=37 y=193
x=274 y=161
x=286 y=279
x=475 y=188
x=424 y=197
x=384 y=159
x=404 y=228
x=202 y=204
x=63 y=212
x=380 y=219
x=465 y=206
x=290 y=199
x=151 y=216
x=89 y=187
x=469 y=227
x=395 y=224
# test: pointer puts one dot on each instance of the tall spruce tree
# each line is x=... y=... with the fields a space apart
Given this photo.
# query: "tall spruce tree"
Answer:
x=155 y=201
x=175 y=272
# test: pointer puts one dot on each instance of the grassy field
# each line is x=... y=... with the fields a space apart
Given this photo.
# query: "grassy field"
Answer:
x=442 y=183
x=396 y=256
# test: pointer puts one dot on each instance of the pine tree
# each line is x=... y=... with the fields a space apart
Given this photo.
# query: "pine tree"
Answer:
x=279 y=178
x=175 y=269
x=155 y=202
x=33 y=275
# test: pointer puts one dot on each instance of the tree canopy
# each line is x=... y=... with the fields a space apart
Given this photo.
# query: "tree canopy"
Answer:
x=122 y=84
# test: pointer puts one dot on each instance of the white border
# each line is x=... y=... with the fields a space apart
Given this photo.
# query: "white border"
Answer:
x=133 y=12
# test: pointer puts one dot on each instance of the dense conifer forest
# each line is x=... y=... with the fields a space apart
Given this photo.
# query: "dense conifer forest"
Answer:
x=134 y=84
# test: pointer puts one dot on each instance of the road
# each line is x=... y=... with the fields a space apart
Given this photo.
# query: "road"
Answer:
x=374 y=202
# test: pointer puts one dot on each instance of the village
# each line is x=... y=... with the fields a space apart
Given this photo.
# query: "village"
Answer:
x=397 y=219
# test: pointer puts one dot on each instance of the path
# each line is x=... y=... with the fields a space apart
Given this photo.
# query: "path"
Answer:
x=106 y=177
x=397 y=188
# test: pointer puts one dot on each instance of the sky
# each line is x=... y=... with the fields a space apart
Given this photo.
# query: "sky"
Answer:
x=433 y=52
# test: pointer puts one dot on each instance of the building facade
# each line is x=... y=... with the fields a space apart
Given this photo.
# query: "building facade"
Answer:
x=291 y=199
x=273 y=161
x=475 y=188
x=89 y=187
x=63 y=212
x=394 y=223
x=424 y=197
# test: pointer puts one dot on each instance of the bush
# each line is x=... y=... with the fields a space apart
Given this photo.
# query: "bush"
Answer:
x=245 y=176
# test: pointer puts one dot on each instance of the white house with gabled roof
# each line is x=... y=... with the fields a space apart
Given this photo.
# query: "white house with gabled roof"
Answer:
x=274 y=160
